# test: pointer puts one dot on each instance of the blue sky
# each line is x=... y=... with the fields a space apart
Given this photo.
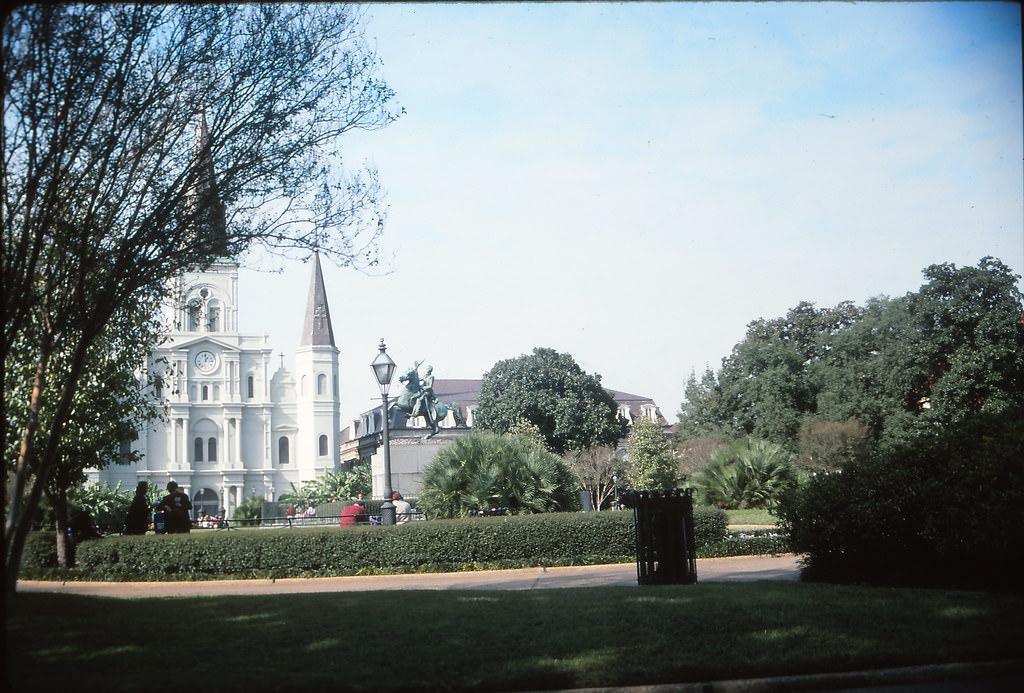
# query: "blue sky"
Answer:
x=633 y=183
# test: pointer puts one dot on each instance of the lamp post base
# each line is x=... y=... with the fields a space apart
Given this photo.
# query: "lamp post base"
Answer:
x=387 y=513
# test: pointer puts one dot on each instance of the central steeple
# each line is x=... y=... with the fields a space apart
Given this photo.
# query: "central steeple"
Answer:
x=317 y=329
x=211 y=218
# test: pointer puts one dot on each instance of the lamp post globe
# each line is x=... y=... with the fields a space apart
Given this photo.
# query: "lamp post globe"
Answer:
x=384 y=370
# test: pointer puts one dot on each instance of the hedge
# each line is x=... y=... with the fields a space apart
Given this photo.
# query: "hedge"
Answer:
x=438 y=545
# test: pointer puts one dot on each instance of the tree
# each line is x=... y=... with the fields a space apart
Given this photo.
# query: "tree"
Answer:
x=249 y=509
x=483 y=471
x=333 y=485
x=597 y=471
x=652 y=461
x=828 y=446
x=694 y=454
x=106 y=198
x=763 y=387
x=901 y=366
x=549 y=390
x=748 y=473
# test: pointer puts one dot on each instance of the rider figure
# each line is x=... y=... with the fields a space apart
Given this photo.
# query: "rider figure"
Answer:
x=423 y=400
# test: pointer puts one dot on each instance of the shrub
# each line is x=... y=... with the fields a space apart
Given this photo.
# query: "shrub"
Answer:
x=749 y=473
x=942 y=511
x=509 y=541
x=482 y=471
x=40 y=550
x=710 y=525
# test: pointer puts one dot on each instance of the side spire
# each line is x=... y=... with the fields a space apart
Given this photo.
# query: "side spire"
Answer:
x=317 y=329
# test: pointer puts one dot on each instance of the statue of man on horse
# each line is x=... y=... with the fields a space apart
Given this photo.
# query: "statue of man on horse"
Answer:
x=418 y=399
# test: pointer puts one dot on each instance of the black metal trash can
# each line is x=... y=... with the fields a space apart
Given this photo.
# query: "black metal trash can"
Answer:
x=664 y=536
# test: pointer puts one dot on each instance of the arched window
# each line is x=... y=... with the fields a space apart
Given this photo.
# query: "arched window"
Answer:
x=282 y=450
x=321 y=384
x=206 y=392
x=213 y=317
x=197 y=450
x=322 y=445
x=193 y=310
x=249 y=384
x=212 y=450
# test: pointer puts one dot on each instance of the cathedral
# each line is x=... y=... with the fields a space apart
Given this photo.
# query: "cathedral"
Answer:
x=234 y=426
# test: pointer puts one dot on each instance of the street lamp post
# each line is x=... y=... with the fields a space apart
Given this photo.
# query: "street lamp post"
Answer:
x=384 y=369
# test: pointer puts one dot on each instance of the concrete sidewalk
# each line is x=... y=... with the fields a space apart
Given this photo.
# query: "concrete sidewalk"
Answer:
x=738 y=569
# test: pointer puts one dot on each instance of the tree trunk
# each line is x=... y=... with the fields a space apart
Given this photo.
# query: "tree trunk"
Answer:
x=20 y=523
x=65 y=548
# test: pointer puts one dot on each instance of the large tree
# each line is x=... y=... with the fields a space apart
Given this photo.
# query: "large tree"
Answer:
x=106 y=195
x=763 y=387
x=549 y=390
x=931 y=358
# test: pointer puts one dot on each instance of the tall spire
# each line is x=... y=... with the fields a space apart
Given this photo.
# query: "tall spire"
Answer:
x=317 y=329
x=211 y=219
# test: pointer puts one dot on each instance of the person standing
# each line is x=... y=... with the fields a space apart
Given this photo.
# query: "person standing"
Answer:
x=176 y=506
x=137 y=521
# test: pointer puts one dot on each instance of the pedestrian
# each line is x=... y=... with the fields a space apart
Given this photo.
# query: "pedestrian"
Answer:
x=176 y=506
x=403 y=511
x=354 y=514
x=138 y=513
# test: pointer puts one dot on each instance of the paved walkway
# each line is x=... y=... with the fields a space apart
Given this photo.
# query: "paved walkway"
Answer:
x=738 y=569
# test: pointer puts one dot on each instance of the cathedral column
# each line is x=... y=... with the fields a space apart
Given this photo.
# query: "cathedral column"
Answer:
x=185 y=457
x=236 y=460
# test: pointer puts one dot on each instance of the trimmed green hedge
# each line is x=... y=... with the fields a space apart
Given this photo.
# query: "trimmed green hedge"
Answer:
x=759 y=543
x=471 y=543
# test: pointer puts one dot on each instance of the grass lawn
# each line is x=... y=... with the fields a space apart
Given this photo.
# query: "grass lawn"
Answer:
x=495 y=641
x=751 y=517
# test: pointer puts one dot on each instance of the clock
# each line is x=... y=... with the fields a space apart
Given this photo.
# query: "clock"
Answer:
x=205 y=361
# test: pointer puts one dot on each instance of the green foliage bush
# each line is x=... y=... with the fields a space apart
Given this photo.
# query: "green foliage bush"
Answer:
x=484 y=471
x=942 y=511
x=511 y=541
x=748 y=473
x=710 y=525
x=760 y=543
x=40 y=550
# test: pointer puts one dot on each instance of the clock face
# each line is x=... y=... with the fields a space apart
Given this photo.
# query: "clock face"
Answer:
x=205 y=361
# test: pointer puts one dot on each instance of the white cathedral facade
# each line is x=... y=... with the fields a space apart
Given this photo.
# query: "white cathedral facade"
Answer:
x=233 y=426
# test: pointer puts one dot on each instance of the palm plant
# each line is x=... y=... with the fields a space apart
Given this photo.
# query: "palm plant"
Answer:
x=483 y=471
x=748 y=473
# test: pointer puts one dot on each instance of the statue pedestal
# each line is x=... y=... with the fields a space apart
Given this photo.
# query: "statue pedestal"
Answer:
x=411 y=452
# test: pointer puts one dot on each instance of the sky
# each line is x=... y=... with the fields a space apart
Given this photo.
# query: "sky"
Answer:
x=633 y=183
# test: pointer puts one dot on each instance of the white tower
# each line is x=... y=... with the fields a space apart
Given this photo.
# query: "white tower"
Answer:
x=316 y=366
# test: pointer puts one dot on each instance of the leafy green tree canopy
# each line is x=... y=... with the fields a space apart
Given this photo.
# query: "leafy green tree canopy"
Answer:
x=652 y=461
x=549 y=390
x=931 y=358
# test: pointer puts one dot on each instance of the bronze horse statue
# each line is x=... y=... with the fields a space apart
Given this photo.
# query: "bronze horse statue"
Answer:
x=415 y=400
